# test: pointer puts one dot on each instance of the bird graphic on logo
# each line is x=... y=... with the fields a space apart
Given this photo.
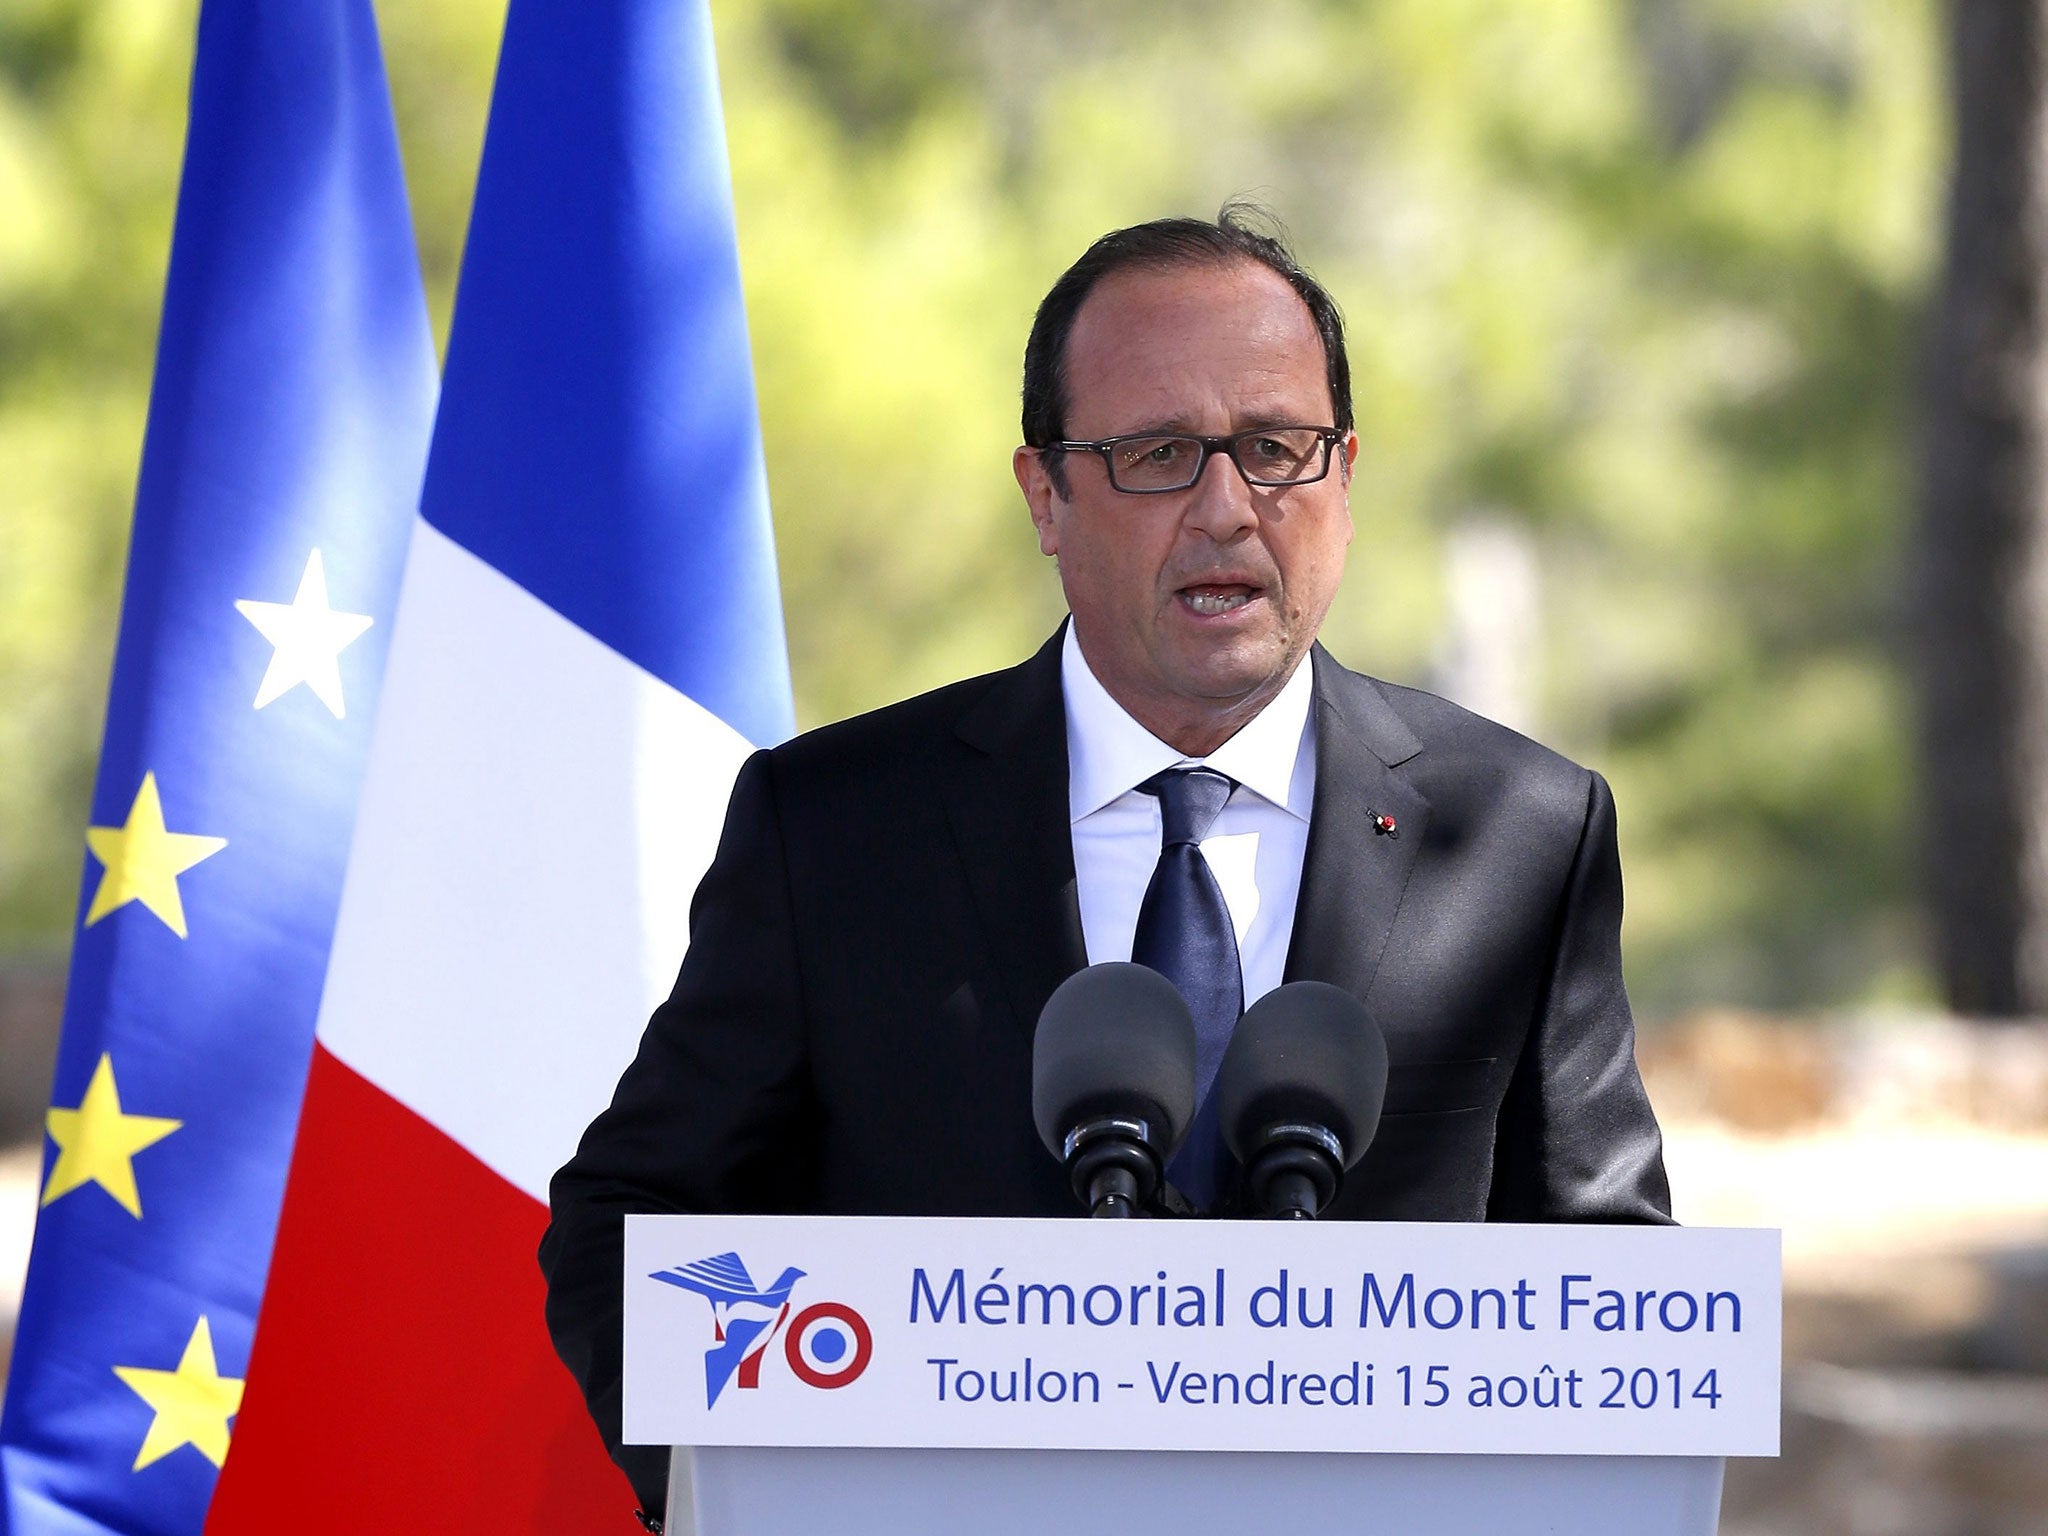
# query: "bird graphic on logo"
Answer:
x=744 y=1316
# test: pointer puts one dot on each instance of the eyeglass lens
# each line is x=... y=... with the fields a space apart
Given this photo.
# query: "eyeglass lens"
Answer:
x=1287 y=456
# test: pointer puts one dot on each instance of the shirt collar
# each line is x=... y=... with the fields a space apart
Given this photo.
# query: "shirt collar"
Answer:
x=1109 y=754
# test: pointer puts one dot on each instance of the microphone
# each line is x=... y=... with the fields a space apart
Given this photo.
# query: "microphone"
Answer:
x=1113 y=1082
x=1299 y=1094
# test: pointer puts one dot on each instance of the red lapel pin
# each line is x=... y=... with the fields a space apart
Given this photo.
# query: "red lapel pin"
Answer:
x=1384 y=825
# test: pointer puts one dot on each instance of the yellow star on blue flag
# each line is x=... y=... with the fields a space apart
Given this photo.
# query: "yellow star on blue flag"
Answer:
x=191 y=1405
x=307 y=637
x=143 y=860
x=97 y=1142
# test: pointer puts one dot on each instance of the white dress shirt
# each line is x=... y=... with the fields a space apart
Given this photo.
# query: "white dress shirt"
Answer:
x=1255 y=847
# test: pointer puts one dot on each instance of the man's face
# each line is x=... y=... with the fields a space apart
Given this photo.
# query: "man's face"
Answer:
x=1193 y=607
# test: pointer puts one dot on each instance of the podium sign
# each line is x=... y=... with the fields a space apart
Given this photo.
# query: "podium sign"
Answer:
x=1201 y=1335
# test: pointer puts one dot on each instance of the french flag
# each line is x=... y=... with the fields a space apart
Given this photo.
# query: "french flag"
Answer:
x=588 y=642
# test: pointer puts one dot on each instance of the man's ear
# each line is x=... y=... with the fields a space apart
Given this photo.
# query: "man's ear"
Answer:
x=1040 y=495
x=1347 y=450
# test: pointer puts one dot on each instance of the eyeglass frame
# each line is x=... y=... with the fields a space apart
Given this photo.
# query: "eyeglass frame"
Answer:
x=1329 y=437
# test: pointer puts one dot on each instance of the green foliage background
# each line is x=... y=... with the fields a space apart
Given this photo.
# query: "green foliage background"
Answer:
x=1639 y=277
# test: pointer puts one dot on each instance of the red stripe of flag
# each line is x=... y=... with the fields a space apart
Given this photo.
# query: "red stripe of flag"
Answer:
x=402 y=1378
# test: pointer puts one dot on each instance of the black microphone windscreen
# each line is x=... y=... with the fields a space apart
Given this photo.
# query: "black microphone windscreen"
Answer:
x=1304 y=1053
x=1113 y=1039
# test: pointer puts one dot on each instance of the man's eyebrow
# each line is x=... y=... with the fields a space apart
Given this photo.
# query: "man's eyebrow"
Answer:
x=1181 y=427
x=1173 y=427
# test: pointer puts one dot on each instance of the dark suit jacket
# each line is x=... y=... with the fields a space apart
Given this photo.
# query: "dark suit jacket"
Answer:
x=893 y=901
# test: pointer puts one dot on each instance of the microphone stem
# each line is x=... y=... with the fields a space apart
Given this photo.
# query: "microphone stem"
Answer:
x=1292 y=1195
x=1113 y=1192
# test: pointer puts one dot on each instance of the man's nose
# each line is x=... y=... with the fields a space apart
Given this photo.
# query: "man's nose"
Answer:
x=1221 y=504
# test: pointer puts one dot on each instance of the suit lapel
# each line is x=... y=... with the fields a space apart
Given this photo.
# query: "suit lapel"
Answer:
x=1009 y=815
x=1353 y=876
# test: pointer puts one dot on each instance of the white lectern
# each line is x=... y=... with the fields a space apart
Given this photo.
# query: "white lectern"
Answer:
x=910 y=1375
x=721 y=1491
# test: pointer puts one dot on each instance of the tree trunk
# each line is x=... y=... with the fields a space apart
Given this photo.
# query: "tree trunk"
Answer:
x=1981 y=573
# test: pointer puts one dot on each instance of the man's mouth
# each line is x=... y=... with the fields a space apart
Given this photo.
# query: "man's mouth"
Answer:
x=1209 y=600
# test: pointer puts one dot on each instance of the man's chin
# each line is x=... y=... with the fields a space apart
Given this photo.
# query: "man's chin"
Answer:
x=1233 y=676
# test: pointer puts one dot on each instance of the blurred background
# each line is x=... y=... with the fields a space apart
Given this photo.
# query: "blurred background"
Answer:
x=1701 y=352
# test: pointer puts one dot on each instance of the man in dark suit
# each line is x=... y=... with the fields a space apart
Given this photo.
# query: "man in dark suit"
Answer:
x=895 y=896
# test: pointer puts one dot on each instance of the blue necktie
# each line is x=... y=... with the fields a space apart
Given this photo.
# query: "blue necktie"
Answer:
x=1184 y=933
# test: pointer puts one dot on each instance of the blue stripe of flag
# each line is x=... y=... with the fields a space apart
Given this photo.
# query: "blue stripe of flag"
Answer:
x=598 y=441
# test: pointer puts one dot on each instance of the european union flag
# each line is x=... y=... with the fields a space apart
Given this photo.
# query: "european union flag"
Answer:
x=287 y=435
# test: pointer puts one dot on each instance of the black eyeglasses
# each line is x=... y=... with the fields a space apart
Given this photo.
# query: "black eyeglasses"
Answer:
x=1148 y=463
